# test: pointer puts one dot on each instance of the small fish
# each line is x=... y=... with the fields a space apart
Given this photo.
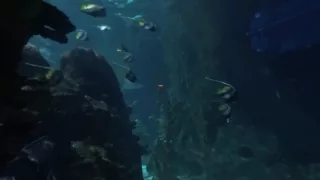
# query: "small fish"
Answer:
x=94 y=10
x=137 y=17
x=129 y=21
x=225 y=109
x=227 y=92
x=130 y=76
x=141 y=22
x=278 y=94
x=128 y=58
x=223 y=90
x=54 y=76
x=150 y=26
x=104 y=27
x=41 y=144
x=82 y=35
x=49 y=74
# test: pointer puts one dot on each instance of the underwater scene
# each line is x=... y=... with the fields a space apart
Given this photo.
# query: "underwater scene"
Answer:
x=160 y=90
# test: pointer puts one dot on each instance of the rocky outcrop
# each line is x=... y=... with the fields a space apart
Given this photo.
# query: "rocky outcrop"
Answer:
x=94 y=118
x=29 y=20
x=81 y=108
x=95 y=76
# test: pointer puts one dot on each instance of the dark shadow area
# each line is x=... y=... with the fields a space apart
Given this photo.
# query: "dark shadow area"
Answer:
x=293 y=116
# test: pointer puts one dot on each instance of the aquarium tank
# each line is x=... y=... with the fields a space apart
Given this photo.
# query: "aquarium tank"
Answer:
x=160 y=90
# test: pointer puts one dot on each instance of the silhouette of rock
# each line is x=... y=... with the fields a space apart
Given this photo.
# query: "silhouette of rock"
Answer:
x=96 y=77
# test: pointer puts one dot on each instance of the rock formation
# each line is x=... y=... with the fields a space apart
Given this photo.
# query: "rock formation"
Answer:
x=81 y=108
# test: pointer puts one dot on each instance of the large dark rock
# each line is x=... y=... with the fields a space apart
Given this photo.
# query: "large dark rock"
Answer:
x=95 y=75
x=18 y=123
x=82 y=110
x=28 y=20
x=89 y=113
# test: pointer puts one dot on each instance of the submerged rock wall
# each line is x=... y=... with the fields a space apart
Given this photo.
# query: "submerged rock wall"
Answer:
x=82 y=110
x=207 y=39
